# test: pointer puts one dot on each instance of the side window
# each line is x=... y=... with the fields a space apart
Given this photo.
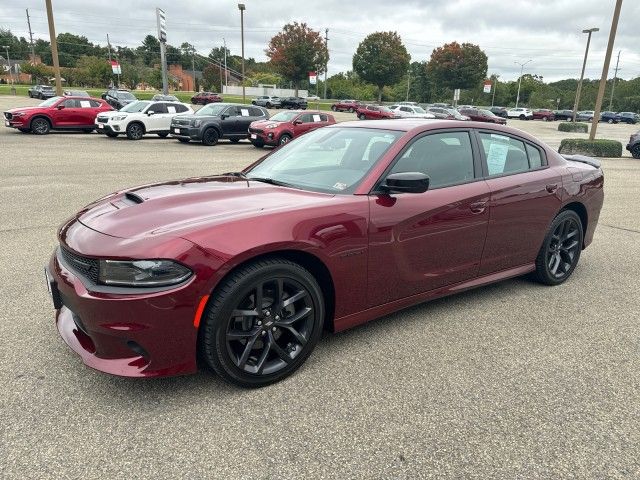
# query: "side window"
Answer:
x=446 y=157
x=406 y=109
x=323 y=117
x=158 y=108
x=255 y=112
x=70 y=103
x=232 y=111
x=95 y=104
x=535 y=158
x=180 y=108
x=306 y=118
x=504 y=154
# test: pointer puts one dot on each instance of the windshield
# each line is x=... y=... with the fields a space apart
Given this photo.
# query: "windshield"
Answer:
x=419 y=110
x=284 y=116
x=51 y=101
x=211 y=109
x=332 y=160
x=46 y=87
x=135 y=107
x=487 y=113
x=125 y=96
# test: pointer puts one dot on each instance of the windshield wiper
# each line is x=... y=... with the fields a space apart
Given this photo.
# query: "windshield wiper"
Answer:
x=236 y=174
x=272 y=181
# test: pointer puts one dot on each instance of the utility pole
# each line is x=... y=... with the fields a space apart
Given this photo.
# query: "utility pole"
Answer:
x=226 y=72
x=326 y=43
x=109 y=48
x=193 y=68
x=162 y=37
x=241 y=7
x=605 y=69
x=615 y=77
x=584 y=64
x=408 y=84
x=520 y=79
x=33 y=52
x=54 y=48
x=493 y=98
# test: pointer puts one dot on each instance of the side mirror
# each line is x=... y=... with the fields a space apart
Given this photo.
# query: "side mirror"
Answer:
x=60 y=107
x=224 y=116
x=150 y=112
x=298 y=122
x=406 y=182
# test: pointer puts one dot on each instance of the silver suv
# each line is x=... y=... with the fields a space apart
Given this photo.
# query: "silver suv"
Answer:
x=267 y=101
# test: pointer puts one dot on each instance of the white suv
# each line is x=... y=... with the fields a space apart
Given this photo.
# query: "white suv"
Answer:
x=138 y=118
x=410 y=111
x=521 y=113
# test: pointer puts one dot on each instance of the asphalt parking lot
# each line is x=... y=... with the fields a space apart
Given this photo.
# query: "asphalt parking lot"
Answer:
x=515 y=380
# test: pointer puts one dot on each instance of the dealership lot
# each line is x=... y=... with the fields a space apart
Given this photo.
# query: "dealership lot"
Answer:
x=514 y=380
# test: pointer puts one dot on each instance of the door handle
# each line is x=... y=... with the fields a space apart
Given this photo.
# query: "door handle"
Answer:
x=478 y=207
x=552 y=187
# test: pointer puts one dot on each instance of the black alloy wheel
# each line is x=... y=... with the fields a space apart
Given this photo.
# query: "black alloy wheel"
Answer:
x=351 y=110
x=135 y=131
x=262 y=323
x=210 y=137
x=269 y=105
x=561 y=249
x=635 y=151
x=362 y=116
x=40 y=126
x=284 y=138
x=334 y=108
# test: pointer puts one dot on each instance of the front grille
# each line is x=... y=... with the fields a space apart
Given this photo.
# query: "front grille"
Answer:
x=256 y=130
x=87 y=267
x=8 y=116
x=103 y=119
x=177 y=121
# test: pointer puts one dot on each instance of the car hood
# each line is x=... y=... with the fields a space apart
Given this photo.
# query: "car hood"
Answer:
x=180 y=207
x=264 y=123
x=25 y=109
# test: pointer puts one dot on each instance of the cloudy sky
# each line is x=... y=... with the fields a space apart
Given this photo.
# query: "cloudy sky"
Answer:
x=548 y=32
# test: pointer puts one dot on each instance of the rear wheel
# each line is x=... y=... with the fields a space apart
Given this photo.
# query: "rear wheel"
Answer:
x=269 y=105
x=560 y=250
x=262 y=323
x=362 y=116
x=522 y=117
x=210 y=137
x=635 y=151
x=135 y=131
x=334 y=108
x=284 y=138
x=610 y=120
x=545 y=119
x=40 y=126
x=350 y=110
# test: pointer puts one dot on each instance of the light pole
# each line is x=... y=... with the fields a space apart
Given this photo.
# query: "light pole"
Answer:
x=589 y=31
x=520 y=79
x=408 y=83
x=242 y=8
x=6 y=48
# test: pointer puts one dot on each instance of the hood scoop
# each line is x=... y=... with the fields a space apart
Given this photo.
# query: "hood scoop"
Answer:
x=134 y=197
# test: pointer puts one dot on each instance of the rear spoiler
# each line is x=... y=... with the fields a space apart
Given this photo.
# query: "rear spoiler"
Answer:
x=594 y=162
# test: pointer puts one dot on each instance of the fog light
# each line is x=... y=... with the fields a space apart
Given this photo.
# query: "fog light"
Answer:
x=270 y=135
x=116 y=128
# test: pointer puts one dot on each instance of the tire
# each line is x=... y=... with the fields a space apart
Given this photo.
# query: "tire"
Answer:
x=333 y=108
x=545 y=119
x=351 y=110
x=40 y=126
x=111 y=134
x=610 y=121
x=278 y=344
x=258 y=144
x=253 y=102
x=163 y=134
x=560 y=251
x=183 y=140
x=635 y=151
x=522 y=117
x=268 y=105
x=284 y=139
x=135 y=131
x=30 y=95
x=210 y=137
x=362 y=116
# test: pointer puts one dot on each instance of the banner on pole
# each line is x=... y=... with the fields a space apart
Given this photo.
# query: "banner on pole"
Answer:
x=313 y=78
x=115 y=68
x=487 y=86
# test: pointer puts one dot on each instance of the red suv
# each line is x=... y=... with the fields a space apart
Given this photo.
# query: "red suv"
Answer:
x=284 y=126
x=346 y=106
x=375 y=112
x=57 y=113
x=203 y=98
x=544 y=114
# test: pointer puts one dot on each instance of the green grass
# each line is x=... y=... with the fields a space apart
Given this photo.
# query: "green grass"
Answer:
x=22 y=90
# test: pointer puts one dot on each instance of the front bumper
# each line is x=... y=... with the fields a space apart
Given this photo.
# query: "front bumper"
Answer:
x=185 y=131
x=264 y=138
x=16 y=122
x=109 y=127
x=135 y=334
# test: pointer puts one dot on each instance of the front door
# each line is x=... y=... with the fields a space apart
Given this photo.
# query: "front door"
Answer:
x=420 y=242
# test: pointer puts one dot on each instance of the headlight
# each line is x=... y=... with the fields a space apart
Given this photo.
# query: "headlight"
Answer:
x=18 y=114
x=271 y=125
x=142 y=273
x=118 y=118
x=196 y=123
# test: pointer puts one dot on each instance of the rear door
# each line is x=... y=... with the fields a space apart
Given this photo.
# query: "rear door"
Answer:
x=525 y=197
x=160 y=119
x=421 y=242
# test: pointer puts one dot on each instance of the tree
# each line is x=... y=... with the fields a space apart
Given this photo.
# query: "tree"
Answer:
x=149 y=50
x=458 y=66
x=211 y=76
x=381 y=59
x=296 y=51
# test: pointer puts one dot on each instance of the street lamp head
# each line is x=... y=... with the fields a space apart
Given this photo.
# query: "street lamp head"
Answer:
x=590 y=30
x=241 y=6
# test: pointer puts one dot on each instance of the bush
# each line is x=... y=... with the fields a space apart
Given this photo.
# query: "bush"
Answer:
x=594 y=148
x=573 y=127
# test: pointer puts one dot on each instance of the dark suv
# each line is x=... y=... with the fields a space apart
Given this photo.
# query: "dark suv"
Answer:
x=118 y=98
x=297 y=103
x=215 y=121
x=634 y=145
x=42 y=92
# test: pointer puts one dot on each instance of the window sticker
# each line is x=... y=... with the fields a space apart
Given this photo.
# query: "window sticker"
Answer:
x=171 y=109
x=497 y=157
x=85 y=104
x=340 y=186
x=244 y=112
x=316 y=118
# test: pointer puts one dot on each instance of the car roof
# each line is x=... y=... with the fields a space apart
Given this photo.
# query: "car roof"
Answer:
x=80 y=97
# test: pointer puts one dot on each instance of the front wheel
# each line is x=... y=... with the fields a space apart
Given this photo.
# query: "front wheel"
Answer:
x=135 y=131
x=560 y=250
x=522 y=117
x=334 y=108
x=545 y=119
x=210 y=137
x=635 y=151
x=610 y=121
x=262 y=323
x=351 y=110
x=40 y=126
x=362 y=116
x=285 y=138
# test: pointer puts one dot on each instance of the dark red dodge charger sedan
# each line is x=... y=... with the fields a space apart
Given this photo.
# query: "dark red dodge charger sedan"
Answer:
x=340 y=226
